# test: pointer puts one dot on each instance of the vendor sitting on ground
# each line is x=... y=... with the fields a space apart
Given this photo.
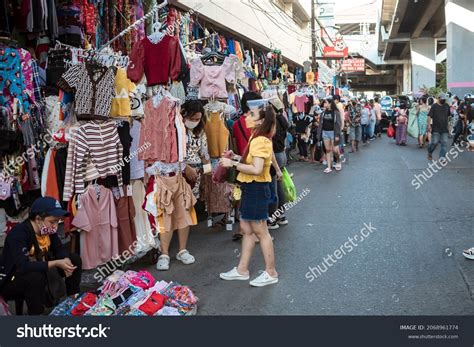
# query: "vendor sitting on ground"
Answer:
x=33 y=248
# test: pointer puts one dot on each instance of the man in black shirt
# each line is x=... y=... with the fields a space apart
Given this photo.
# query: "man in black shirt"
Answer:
x=439 y=114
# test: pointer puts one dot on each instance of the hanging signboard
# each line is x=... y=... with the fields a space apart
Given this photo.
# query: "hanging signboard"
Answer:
x=331 y=52
x=340 y=50
x=353 y=65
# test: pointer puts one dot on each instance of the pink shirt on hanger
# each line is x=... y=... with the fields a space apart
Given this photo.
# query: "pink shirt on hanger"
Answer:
x=300 y=100
x=97 y=218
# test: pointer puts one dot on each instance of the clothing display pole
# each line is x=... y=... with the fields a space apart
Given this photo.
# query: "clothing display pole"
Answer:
x=136 y=24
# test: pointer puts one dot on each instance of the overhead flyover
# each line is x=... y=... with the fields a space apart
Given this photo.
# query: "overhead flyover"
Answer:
x=426 y=32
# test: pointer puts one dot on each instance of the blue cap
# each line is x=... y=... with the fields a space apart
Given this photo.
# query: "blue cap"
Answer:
x=48 y=206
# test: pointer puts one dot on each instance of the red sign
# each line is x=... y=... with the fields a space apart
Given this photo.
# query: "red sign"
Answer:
x=331 y=52
x=353 y=65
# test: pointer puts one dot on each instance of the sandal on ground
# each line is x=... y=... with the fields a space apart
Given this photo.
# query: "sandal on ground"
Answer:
x=163 y=263
x=185 y=257
x=327 y=171
x=338 y=166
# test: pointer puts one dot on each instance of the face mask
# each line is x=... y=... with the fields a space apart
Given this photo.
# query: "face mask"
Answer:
x=249 y=122
x=191 y=125
x=44 y=230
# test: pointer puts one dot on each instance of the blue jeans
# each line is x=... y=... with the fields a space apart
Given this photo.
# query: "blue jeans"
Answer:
x=438 y=138
x=365 y=132
x=372 y=128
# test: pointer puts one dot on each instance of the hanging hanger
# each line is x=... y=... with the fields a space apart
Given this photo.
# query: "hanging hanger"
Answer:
x=212 y=58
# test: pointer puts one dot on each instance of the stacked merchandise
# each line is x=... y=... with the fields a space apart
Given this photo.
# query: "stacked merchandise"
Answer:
x=132 y=294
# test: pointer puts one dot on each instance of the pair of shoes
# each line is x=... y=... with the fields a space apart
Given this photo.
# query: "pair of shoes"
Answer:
x=184 y=256
x=282 y=220
x=272 y=224
x=261 y=281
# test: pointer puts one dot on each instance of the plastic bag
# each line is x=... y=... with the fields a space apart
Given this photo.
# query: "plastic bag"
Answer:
x=413 y=124
x=289 y=188
x=221 y=173
x=390 y=131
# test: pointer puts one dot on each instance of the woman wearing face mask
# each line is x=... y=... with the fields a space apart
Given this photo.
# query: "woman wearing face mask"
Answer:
x=197 y=163
x=33 y=248
x=254 y=176
x=197 y=154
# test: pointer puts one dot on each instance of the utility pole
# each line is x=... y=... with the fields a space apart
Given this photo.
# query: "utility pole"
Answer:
x=313 y=34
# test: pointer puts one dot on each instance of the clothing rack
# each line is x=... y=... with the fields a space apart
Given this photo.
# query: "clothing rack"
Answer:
x=134 y=26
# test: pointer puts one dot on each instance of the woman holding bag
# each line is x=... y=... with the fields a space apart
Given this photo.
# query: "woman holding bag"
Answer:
x=254 y=176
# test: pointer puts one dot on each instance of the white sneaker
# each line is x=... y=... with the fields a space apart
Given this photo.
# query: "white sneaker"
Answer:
x=264 y=280
x=233 y=275
x=469 y=253
x=163 y=263
x=185 y=257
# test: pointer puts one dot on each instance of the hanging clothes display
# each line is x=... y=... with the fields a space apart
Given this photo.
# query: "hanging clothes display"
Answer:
x=144 y=56
x=97 y=218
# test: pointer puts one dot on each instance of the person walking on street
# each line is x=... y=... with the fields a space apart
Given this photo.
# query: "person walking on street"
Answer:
x=439 y=115
x=422 y=118
x=330 y=132
x=355 y=130
x=278 y=218
x=364 y=121
x=378 y=114
x=402 y=125
x=373 y=120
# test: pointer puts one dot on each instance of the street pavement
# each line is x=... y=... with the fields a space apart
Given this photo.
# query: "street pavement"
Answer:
x=412 y=264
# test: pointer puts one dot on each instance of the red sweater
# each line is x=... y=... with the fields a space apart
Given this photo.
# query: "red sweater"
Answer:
x=159 y=62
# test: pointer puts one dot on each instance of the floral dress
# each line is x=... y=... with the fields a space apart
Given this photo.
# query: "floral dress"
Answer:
x=196 y=152
x=423 y=121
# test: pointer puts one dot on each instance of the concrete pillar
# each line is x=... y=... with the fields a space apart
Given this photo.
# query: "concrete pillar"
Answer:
x=406 y=82
x=423 y=63
x=460 y=46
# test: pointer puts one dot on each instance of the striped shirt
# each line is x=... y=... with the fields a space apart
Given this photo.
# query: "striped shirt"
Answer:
x=96 y=143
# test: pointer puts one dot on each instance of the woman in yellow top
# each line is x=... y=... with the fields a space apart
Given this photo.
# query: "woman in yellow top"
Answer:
x=254 y=176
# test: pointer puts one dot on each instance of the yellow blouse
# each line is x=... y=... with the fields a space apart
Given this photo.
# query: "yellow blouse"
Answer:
x=260 y=147
x=121 y=101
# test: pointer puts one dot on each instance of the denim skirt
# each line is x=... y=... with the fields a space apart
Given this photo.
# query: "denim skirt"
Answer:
x=256 y=198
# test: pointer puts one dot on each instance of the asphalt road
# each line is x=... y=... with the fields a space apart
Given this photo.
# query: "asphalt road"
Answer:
x=410 y=265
